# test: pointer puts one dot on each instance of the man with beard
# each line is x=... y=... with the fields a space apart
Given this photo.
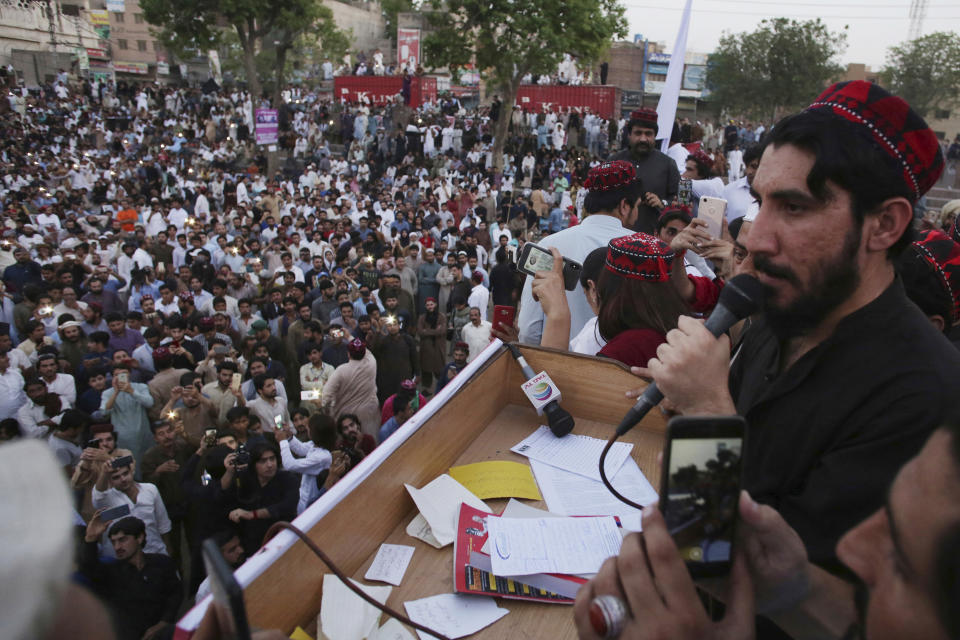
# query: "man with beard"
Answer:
x=656 y=171
x=841 y=378
x=904 y=557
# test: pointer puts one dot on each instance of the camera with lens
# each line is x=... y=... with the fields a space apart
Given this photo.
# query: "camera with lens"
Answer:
x=242 y=458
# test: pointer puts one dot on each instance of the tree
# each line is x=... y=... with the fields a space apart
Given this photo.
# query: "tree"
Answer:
x=507 y=40
x=195 y=25
x=925 y=72
x=391 y=9
x=783 y=65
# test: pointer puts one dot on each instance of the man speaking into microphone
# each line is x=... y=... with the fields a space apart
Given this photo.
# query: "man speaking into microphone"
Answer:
x=841 y=378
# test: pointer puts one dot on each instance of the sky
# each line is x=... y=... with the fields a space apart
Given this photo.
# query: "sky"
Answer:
x=873 y=26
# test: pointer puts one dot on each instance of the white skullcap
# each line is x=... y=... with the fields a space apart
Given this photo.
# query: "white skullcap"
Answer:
x=36 y=526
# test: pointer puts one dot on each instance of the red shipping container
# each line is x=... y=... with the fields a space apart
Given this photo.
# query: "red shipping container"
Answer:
x=603 y=100
x=378 y=90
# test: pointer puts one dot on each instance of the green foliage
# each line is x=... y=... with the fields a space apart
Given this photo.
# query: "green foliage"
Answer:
x=925 y=72
x=783 y=65
x=199 y=25
x=390 y=10
x=508 y=39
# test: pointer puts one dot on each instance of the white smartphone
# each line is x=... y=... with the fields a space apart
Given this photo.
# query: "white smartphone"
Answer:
x=310 y=394
x=712 y=210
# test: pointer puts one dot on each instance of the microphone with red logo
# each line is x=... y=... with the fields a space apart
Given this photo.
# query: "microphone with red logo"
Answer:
x=543 y=395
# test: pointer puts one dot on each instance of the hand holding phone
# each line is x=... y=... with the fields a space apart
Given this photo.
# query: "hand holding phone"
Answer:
x=503 y=316
x=700 y=489
x=115 y=513
x=534 y=258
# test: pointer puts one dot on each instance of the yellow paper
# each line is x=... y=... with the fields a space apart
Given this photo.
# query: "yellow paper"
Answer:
x=497 y=479
x=300 y=634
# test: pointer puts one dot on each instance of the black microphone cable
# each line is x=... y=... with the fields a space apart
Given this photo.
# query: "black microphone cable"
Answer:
x=275 y=529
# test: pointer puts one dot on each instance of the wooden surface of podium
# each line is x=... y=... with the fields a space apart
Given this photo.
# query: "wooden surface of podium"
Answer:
x=480 y=422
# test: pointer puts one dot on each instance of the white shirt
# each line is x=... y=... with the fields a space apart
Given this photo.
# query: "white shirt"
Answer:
x=18 y=359
x=149 y=508
x=65 y=387
x=476 y=337
x=29 y=416
x=588 y=341
x=12 y=396
x=576 y=243
x=479 y=298
x=312 y=461
x=678 y=153
x=739 y=200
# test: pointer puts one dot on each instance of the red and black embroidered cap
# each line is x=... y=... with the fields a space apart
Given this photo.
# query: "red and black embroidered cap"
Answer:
x=357 y=347
x=644 y=117
x=702 y=158
x=607 y=176
x=943 y=255
x=641 y=257
x=898 y=129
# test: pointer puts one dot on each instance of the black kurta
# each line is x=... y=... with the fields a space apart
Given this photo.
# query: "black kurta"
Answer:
x=827 y=436
x=658 y=174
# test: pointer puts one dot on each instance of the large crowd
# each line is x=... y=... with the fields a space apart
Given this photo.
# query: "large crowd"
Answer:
x=208 y=342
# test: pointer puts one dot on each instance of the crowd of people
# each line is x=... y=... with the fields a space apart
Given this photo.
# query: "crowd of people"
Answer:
x=207 y=347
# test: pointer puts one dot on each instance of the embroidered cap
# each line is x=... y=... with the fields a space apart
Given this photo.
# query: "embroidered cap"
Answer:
x=607 y=176
x=645 y=117
x=641 y=257
x=898 y=129
x=943 y=255
x=701 y=157
x=357 y=347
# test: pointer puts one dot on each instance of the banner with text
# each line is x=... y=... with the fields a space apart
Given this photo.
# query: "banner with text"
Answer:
x=408 y=48
x=267 y=126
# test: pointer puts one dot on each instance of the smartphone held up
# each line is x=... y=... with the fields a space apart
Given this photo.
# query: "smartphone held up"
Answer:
x=534 y=258
x=700 y=489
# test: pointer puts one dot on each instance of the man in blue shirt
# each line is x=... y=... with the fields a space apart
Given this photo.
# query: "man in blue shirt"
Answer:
x=401 y=413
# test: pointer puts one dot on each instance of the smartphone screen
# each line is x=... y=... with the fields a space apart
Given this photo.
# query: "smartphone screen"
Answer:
x=701 y=489
x=536 y=259
x=278 y=422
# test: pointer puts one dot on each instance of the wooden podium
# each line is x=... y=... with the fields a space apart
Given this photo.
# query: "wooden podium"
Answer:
x=478 y=417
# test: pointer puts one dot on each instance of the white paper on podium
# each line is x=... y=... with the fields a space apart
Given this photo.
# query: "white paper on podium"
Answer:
x=522 y=546
x=454 y=615
x=439 y=503
x=419 y=528
x=391 y=630
x=346 y=616
x=571 y=494
x=517 y=509
x=578 y=454
x=390 y=563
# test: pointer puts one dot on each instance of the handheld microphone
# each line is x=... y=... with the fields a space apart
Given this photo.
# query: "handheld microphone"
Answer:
x=740 y=298
x=559 y=420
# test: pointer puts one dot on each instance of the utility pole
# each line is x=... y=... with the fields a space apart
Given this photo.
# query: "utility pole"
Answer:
x=918 y=12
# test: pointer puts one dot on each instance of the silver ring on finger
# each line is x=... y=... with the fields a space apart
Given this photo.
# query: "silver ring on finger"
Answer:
x=608 y=616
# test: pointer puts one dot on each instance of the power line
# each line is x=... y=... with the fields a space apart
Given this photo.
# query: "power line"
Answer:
x=781 y=15
x=844 y=5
